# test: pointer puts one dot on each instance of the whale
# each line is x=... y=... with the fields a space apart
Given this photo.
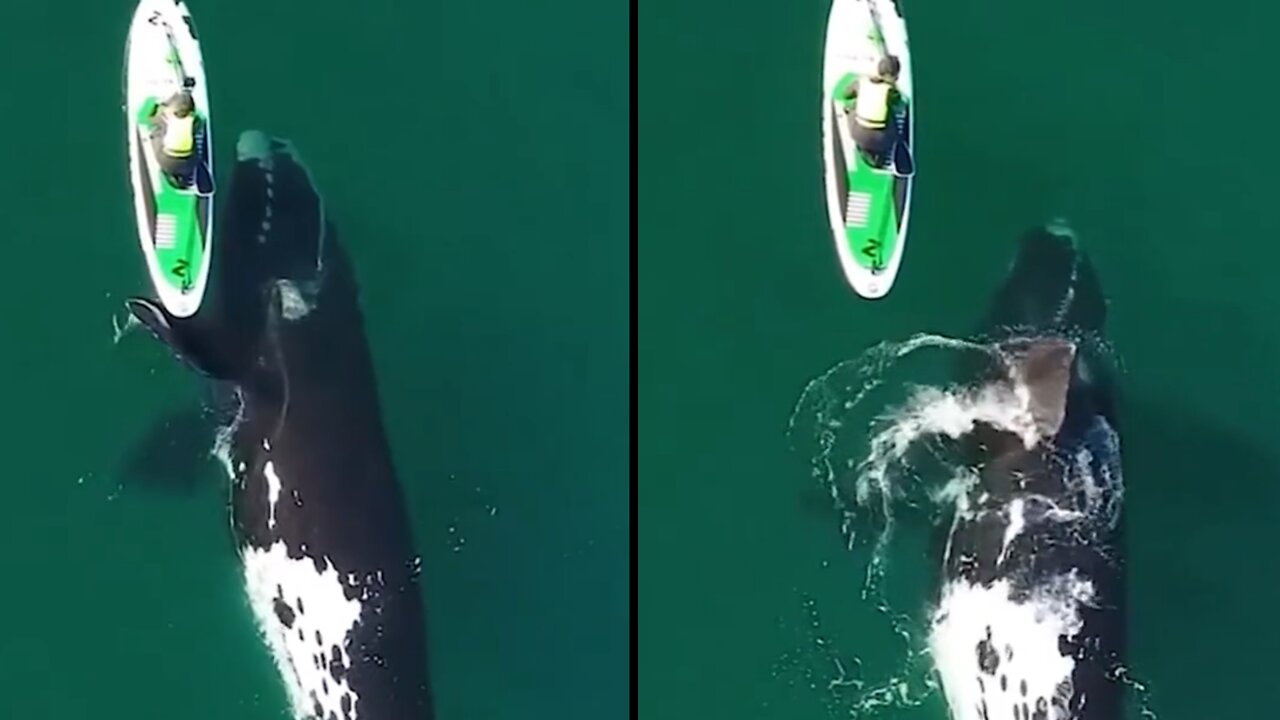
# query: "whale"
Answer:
x=1028 y=620
x=318 y=517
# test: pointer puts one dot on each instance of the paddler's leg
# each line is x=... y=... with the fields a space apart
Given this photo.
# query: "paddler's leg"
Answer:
x=877 y=143
x=872 y=142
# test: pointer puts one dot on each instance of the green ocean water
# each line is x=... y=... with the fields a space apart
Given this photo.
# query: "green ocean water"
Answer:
x=472 y=157
x=1128 y=119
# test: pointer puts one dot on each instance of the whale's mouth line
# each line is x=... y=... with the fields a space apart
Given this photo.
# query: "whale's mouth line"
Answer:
x=285 y=189
x=1048 y=282
x=1064 y=305
x=258 y=147
x=1066 y=299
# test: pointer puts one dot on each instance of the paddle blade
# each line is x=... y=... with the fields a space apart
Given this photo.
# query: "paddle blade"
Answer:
x=903 y=163
x=203 y=180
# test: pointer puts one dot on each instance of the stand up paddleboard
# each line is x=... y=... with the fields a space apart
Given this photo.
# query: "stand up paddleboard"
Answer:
x=174 y=215
x=868 y=198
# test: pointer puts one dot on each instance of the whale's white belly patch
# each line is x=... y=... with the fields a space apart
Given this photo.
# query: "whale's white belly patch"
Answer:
x=304 y=617
x=1000 y=658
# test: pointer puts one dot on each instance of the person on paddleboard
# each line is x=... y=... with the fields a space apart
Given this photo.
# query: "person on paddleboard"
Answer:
x=174 y=129
x=870 y=101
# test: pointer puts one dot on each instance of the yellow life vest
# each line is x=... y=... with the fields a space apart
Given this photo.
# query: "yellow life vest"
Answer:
x=872 y=108
x=179 y=135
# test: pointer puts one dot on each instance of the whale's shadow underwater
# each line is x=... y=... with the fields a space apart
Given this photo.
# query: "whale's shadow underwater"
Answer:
x=173 y=454
x=329 y=563
x=1201 y=523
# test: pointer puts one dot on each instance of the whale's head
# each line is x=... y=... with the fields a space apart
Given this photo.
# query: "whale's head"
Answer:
x=1051 y=294
x=1051 y=286
x=274 y=252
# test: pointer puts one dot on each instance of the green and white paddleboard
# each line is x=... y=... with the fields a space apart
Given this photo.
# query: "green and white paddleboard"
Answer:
x=175 y=219
x=868 y=201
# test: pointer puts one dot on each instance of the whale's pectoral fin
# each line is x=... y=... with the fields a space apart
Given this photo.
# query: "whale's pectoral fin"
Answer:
x=172 y=455
x=150 y=314
x=186 y=341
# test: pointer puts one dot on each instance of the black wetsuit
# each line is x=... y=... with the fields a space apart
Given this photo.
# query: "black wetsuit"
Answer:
x=877 y=142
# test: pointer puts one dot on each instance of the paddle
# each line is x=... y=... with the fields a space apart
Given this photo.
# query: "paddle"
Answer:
x=904 y=165
x=183 y=80
x=203 y=180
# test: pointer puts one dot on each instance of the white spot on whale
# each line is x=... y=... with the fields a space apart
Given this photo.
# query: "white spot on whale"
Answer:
x=1017 y=521
x=328 y=618
x=293 y=304
x=273 y=492
x=1022 y=647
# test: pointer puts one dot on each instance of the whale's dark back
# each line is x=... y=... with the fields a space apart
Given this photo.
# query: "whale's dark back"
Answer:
x=328 y=442
x=1052 y=295
x=313 y=394
x=1051 y=286
x=313 y=478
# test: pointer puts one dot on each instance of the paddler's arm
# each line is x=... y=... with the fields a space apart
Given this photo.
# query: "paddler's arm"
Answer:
x=848 y=92
x=148 y=109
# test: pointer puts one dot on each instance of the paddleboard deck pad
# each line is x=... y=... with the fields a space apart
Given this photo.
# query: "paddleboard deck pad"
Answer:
x=868 y=196
x=174 y=213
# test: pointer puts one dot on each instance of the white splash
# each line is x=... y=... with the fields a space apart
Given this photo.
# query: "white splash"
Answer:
x=1017 y=522
x=1023 y=637
x=932 y=412
x=224 y=439
x=325 y=613
x=120 y=330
